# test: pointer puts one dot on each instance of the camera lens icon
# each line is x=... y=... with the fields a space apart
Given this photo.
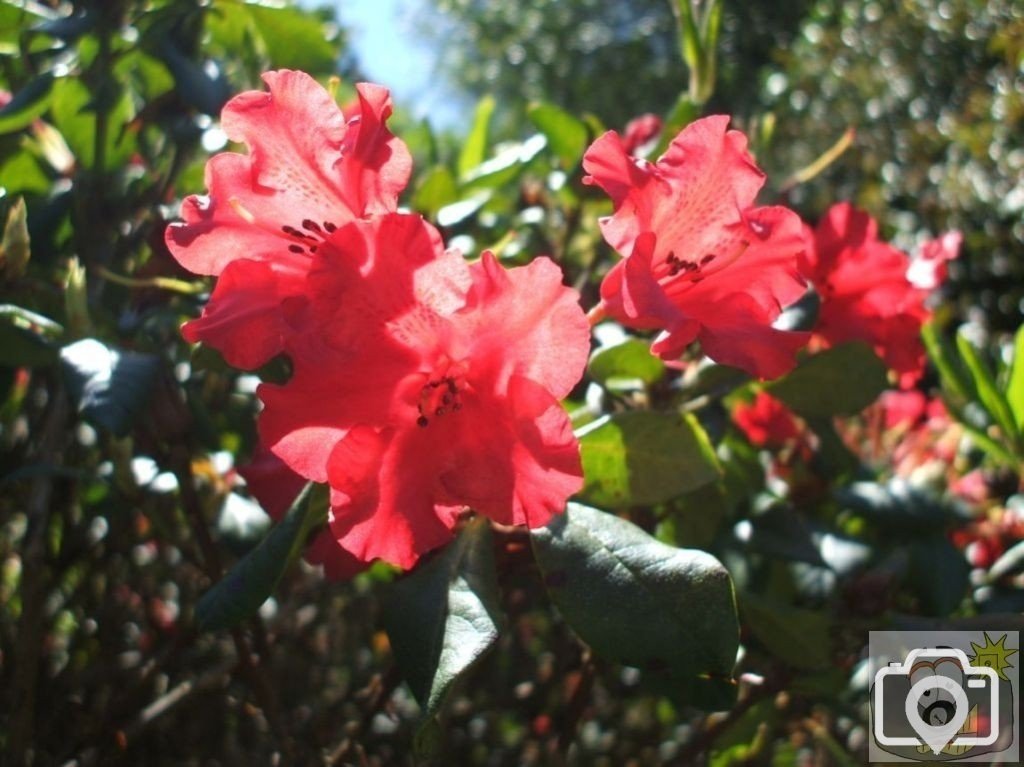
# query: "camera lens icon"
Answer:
x=936 y=705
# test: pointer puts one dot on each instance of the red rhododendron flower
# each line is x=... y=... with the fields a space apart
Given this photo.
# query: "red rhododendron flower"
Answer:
x=421 y=384
x=448 y=398
x=308 y=172
x=929 y=267
x=767 y=422
x=865 y=293
x=701 y=262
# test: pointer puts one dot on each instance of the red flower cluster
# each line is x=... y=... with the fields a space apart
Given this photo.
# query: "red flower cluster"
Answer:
x=701 y=262
x=422 y=384
x=766 y=422
x=870 y=290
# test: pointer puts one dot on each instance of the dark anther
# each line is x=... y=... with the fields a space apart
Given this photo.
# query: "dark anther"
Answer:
x=707 y=259
x=439 y=411
x=451 y=386
x=329 y=226
x=311 y=225
x=290 y=230
x=422 y=421
x=447 y=399
x=312 y=248
x=295 y=248
x=434 y=384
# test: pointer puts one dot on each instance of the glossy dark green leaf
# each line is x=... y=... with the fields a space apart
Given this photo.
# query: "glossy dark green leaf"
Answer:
x=797 y=636
x=474 y=147
x=897 y=505
x=643 y=457
x=839 y=381
x=567 y=136
x=204 y=87
x=443 y=616
x=638 y=601
x=110 y=387
x=28 y=103
x=625 y=364
x=239 y=594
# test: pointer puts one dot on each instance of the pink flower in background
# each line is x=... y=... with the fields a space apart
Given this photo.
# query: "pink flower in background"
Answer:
x=928 y=269
x=864 y=290
x=700 y=261
x=640 y=132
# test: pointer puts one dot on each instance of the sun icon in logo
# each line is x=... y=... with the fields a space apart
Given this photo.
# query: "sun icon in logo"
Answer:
x=992 y=655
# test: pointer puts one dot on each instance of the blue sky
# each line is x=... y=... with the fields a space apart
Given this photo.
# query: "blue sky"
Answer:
x=392 y=55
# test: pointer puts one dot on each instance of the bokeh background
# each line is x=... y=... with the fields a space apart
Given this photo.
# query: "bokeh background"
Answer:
x=118 y=512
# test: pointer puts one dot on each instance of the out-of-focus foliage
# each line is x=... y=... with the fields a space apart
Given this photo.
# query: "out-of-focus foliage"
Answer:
x=121 y=505
x=935 y=91
x=615 y=59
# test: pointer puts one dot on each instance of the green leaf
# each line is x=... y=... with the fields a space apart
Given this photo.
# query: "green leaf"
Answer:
x=475 y=148
x=566 y=135
x=73 y=110
x=643 y=457
x=840 y=381
x=22 y=173
x=23 y=347
x=296 y=39
x=939 y=574
x=253 y=578
x=443 y=616
x=205 y=90
x=622 y=365
x=941 y=354
x=985 y=385
x=1015 y=386
x=636 y=600
x=794 y=635
x=436 y=189
x=110 y=387
x=28 y=104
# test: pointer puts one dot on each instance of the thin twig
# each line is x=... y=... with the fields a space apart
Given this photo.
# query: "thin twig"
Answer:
x=33 y=581
x=705 y=739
